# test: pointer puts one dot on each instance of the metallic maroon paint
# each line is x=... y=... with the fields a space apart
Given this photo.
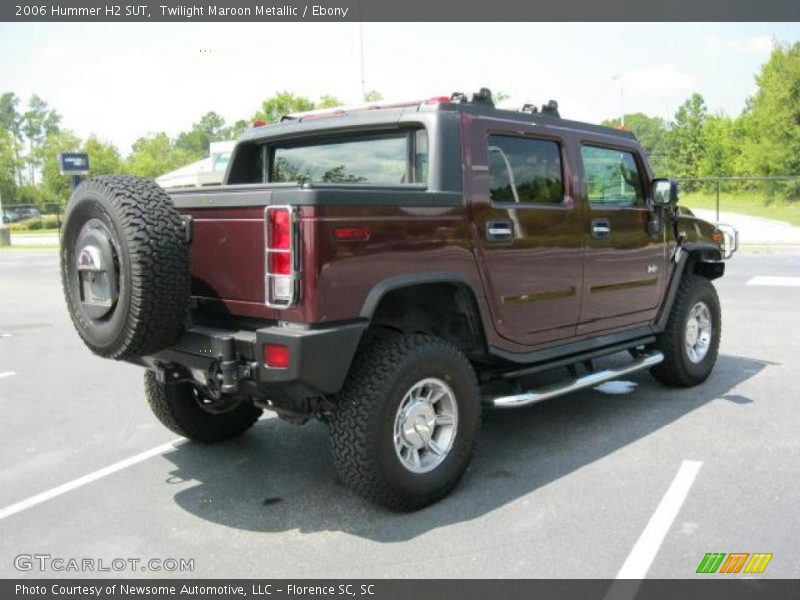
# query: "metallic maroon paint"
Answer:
x=337 y=275
x=552 y=283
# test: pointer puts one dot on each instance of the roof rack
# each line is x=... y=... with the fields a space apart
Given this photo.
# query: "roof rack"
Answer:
x=550 y=109
x=344 y=110
x=478 y=103
x=482 y=98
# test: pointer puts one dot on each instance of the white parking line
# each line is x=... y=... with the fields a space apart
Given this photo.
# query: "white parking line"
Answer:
x=644 y=551
x=86 y=479
x=774 y=281
x=7 y=374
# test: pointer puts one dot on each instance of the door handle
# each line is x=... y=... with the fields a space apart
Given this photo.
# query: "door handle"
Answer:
x=499 y=231
x=601 y=229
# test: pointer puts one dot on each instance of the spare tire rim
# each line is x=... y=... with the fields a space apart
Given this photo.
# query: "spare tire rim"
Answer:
x=425 y=425
x=96 y=265
x=698 y=333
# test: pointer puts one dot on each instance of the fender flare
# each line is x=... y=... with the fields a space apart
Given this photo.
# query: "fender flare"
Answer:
x=382 y=288
x=695 y=252
x=706 y=250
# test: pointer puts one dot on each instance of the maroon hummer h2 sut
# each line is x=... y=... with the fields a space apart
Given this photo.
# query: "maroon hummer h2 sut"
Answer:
x=391 y=269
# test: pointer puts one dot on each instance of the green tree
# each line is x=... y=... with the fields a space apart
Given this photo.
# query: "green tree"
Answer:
x=771 y=121
x=652 y=134
x=8 y=175
x=195 y=142
x=373 y=96
x=38 y=122
x=34 y=194
x=283 y=103
x=722 y=141
x=687 y=137
x=274 y=108
x=11 y=121
x=104 y=158
x=55 y=187
x=328 y=101
x=235 y=131
x=154 y=155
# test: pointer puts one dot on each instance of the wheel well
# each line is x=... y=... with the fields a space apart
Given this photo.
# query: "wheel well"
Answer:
x=445 y=309
x=709 y=270
x=706 y=263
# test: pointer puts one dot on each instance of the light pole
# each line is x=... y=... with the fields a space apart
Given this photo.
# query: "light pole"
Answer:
x=361 y=53
x=621 y=98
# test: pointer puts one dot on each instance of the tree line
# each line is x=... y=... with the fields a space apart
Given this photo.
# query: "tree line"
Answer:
x=763 y=140
x=31 y=137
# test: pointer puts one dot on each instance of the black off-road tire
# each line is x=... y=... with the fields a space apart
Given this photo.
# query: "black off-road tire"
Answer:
x=677 y=369
x=362 y=426
x=177 y=408
x=151 y=261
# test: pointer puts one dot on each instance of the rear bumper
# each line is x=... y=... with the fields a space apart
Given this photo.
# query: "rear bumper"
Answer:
x=319 y=359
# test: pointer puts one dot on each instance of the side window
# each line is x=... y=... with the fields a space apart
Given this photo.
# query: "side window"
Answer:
x=420 y=156
x=525 y=170
x=612 y=177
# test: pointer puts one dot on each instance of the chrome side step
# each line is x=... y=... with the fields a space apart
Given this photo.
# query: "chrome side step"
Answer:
x=589 y=380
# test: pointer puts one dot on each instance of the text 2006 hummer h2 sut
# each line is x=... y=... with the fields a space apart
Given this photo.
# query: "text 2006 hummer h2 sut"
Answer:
x=389 y=270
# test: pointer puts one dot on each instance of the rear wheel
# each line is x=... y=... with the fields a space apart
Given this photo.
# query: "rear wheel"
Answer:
x=405 y=427
x=690 y=341
x=184 y=409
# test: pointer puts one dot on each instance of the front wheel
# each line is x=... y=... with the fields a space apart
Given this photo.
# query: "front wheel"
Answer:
x=405 y=427
x=690 y=341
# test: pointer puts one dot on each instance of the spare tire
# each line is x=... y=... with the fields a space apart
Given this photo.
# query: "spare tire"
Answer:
x=124 y=266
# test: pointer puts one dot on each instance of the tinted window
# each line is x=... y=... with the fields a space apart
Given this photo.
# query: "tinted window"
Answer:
x=421 y=156
x=524 y=170
x=612 y=177
x=375 y=159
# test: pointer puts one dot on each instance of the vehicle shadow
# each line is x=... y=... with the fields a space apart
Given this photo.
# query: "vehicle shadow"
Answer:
x=279 y=477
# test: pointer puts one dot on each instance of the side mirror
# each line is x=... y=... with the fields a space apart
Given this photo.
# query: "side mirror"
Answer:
x=664 y=192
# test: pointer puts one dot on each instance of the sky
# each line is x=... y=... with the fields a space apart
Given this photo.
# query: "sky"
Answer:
x=122 y=81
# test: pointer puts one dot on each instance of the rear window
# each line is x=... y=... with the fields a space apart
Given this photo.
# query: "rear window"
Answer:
x=381 y=159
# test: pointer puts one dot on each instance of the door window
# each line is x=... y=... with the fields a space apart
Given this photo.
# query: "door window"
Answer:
x=612 y=177
x=524 y=170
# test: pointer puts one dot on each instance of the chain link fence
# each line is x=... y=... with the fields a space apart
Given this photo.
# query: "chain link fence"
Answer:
x=747 y=194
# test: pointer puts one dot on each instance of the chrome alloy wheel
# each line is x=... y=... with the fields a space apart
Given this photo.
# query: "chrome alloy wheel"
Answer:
x=98 y=278
x=425 y=425
x=698 y=333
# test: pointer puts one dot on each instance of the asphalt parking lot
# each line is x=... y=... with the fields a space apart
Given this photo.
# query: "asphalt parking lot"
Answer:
x=561 y=489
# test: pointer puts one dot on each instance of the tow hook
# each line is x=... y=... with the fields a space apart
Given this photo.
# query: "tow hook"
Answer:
x=227 y=365
x=168 y=374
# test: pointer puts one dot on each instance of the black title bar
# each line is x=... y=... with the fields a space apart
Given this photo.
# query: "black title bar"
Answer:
x=400 y=10
x=702 y=588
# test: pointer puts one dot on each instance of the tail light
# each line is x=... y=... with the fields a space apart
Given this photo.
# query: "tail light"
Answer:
x=281 y=257
x=276 y=356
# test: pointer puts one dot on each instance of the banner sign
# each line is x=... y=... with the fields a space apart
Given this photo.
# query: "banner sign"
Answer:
x=73 y=163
